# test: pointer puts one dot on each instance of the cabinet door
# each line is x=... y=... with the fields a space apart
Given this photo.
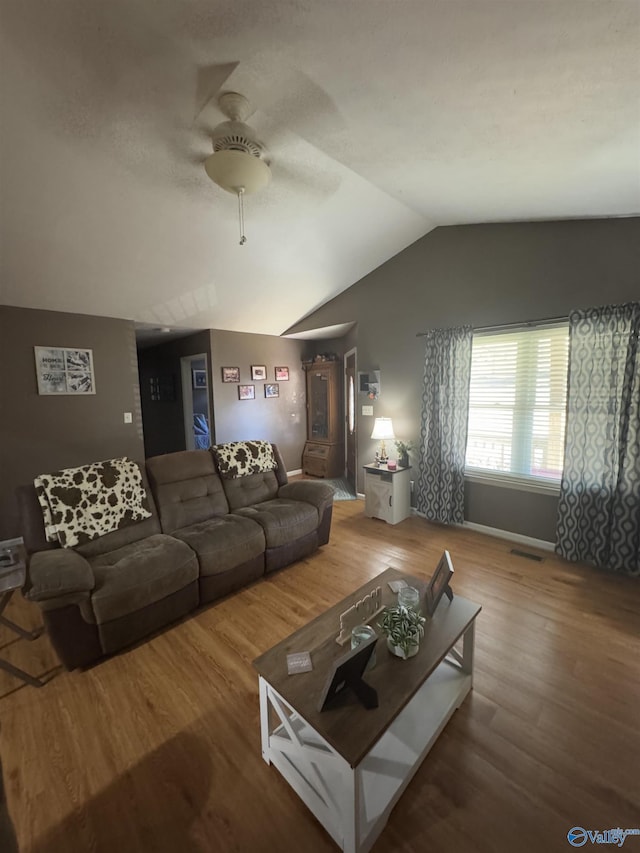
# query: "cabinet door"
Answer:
x=378 y=498
x=318 y=412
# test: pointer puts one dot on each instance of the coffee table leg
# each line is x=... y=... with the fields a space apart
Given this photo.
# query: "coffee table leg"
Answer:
x=264 y=719
x=468 y=645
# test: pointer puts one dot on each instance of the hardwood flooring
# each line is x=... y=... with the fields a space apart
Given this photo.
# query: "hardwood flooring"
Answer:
x=158 y=749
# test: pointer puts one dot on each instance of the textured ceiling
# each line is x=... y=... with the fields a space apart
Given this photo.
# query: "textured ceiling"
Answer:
x=383 y=119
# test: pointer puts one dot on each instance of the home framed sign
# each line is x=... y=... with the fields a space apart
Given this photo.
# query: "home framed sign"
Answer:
x=63 y=370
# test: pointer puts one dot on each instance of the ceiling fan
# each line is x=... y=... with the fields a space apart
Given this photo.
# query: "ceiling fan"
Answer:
x=239 y=162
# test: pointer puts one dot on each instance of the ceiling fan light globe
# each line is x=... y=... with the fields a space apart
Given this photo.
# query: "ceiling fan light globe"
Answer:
x=236 y=170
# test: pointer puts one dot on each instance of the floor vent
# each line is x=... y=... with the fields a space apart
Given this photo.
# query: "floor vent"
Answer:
x=527 y=555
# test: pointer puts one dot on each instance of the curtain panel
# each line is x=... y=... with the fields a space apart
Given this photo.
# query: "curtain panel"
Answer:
x=599 y=506
x=443 y=433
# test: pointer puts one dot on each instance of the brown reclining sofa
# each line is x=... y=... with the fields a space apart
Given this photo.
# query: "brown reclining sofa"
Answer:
x=211 y=531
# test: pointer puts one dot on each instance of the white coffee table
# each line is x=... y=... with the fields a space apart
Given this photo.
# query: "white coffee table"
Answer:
x=349 y=765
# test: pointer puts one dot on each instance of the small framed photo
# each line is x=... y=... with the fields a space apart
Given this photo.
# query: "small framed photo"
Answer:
x=246 y=392
x=231 y=374
x=199 y=378
x=282 y=374
x=439 y=583
x=258 y=371
x=346 y=674
x=272 y=390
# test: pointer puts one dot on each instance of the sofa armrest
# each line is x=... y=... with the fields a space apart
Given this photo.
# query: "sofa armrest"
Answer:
x=61 y=574
x=313 y=492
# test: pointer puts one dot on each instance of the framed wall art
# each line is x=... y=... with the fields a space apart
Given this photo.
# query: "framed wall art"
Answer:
x=199 y=378
x=282 y=374
x=231 y=374
x=272 y=390
x=246 y=392
x=258 y=371
x=62 y=370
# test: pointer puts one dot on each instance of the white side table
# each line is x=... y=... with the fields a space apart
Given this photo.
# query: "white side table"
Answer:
x=387 y=494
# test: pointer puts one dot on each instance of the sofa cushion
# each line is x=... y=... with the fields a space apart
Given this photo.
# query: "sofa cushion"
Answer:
x=242 y=458
x=223 y=543
x=139 y=574
x=282 y=520
x=251 y=490
x=186 y=488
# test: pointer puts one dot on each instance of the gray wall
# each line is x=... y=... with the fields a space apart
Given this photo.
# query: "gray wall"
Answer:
x=163 y=420
x=44 y=433
x=281 y=419
x=481 y=275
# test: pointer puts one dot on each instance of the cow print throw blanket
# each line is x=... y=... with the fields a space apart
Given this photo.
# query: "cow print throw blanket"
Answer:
x=81 y=504
x=240 y=458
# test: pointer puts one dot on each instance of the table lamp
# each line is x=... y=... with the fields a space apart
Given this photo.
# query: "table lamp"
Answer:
x=382 y=429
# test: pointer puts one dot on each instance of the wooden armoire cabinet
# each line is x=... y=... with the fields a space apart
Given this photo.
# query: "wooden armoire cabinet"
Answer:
x=323 y=454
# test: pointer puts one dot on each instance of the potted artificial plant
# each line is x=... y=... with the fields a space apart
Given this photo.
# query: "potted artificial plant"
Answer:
x=403 y=448
x=403 y=628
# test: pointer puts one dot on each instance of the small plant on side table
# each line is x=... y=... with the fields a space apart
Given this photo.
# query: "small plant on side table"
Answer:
x=403 y=628
x=403 y=448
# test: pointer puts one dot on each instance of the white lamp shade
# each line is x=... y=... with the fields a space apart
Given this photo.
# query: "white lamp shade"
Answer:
x=382 y=429
x=236 y=170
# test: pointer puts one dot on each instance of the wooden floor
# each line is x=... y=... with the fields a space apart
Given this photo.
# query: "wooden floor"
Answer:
x=158 y=749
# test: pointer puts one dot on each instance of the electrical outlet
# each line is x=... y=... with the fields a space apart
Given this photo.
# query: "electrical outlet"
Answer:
x=367 y=411
x=128 y=419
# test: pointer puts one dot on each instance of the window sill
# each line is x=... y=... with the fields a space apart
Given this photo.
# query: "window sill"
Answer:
x=508 y=481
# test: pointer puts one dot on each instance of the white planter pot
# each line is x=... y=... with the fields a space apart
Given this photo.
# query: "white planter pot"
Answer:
x=398 y=651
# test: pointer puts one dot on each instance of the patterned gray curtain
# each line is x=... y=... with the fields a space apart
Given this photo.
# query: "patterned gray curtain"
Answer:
x=443 y=435
x=599 y=508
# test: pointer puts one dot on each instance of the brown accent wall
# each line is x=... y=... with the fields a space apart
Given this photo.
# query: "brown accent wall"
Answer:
x=482 y=275
x=281 y=419
x=44 y=433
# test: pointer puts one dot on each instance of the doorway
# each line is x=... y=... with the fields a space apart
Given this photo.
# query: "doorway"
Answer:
x=351 y=441
x=195 y=402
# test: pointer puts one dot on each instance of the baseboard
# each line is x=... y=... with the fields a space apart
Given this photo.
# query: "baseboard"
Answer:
x=499 y=534
x=294 y=473
x=507 y=534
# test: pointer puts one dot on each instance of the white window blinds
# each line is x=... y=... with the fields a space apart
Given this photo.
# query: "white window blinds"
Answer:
x=517 y=404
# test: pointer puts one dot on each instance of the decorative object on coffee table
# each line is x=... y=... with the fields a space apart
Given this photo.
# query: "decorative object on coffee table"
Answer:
x=403 y=628
x=439 y=583
x=409 y=596
x=359 y=613
x=346 y=673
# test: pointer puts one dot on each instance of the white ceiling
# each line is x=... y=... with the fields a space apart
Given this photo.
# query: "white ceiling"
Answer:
x=383 y=118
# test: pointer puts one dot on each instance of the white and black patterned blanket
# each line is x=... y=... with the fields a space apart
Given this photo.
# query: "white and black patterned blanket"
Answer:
x=241 y=458
x=81 y=504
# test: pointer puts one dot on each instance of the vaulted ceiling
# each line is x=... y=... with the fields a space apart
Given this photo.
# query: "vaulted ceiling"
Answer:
x=383 y=119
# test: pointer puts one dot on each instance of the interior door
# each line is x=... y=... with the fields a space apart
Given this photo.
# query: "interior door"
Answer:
x=350 y=417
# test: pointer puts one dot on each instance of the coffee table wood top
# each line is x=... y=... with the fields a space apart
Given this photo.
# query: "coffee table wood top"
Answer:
x=348 y=727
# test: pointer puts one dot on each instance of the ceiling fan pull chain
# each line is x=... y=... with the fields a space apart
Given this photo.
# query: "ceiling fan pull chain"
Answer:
x=243 y=239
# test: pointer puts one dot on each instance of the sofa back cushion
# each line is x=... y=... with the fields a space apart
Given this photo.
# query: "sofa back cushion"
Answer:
x=251 y=471
x=33 y=531
x=186 y=488
x=252 y=489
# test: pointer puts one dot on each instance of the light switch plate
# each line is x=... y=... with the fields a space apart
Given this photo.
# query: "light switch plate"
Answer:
x=367 y=410
x=128 y=419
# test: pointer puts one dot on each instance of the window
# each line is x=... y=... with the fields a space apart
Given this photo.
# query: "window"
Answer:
x=517 y=404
